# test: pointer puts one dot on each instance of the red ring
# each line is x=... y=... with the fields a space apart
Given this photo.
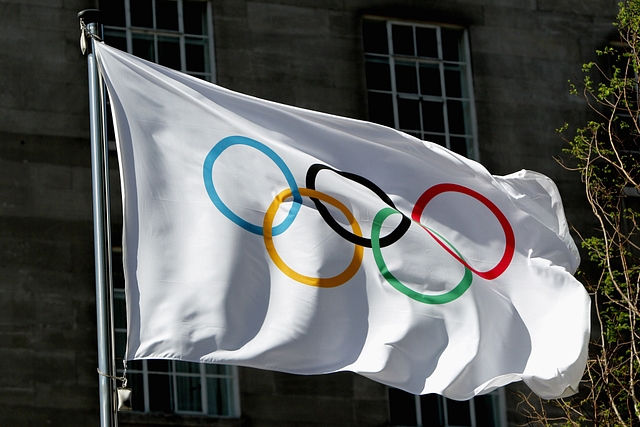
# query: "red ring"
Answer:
x=510 y=239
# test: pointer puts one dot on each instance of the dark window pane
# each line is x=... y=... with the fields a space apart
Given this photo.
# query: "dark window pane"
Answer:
x=381 y=108
x=459 y=145
x=374 y=34
x=158 y=365
x=453 y=82
x=457 y=117
x=113 y=12
x=438 y=139
x=409 y=114
x=427 y=42
x=169 y=52
x=402 y=408
x=484 y=408
x=211 y=369
x=117 y=271
x=402 y=40
x=141 y=13
x=406 y=78
x=160 y=393
x=432 y=116
x=187 y=367
x=167 y=15
x=197 y=55
x=143 y=47
x=458 y=413
x=451 y=44
x=189 y=394
x=116 y=38
x=136 y=384
x=430 y=407
x=378 y=74
x=111 y=136
x=119 y=311
x=121 y=344
x=217 y=392
x=430 y=80
x=135 y=365
x=195 y=15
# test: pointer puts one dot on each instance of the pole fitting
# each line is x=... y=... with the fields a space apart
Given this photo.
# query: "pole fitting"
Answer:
x=90 y=20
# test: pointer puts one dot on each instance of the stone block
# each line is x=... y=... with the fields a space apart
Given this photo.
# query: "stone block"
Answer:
x=338 y=385
x=285 y=19
x=578 y=7
x=517 y=42
x=278 y=410
x=258 y=381
x=16 y=369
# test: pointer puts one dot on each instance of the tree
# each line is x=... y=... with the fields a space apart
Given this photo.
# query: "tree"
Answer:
x=606 y=153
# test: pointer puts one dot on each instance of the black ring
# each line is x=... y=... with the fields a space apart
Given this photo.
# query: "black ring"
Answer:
x=385 y=241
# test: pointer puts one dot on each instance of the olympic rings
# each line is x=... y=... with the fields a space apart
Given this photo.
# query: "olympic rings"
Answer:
x=393 y=237
x=510 y=239
x=215 y=198
x=446 y=297
x=376 y=243
x=329 y=282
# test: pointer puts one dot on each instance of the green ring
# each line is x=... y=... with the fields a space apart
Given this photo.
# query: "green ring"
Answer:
x=382 y=266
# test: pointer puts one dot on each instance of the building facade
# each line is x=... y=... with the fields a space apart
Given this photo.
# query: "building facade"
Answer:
x=491 y=76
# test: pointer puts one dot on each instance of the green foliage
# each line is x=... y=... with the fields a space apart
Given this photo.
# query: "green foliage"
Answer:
x=606 y=153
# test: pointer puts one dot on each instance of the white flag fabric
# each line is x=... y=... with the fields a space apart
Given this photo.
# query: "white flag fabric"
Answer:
x=265 y=235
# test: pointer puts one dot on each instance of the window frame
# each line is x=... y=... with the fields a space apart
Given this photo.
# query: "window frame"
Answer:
x=129 y=30
x=472 y=150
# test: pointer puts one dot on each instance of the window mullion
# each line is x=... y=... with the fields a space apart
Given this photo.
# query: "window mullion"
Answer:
x=145 y=383
x=418 y=410
x=392 y=71
x=156 y=53
x=234 y=406
x=472 y=412
x=174 y=383
x=127 y=23
x=212 y=56
x=443 y=90
x=444 y=410
x=475 y=153
x=183 y=55
x=153 y=14
x=203 y=389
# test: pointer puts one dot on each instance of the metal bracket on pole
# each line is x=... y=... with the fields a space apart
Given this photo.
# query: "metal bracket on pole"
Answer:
x=91 y=26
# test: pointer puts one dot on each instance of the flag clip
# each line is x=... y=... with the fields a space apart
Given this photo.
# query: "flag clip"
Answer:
x=84 y=35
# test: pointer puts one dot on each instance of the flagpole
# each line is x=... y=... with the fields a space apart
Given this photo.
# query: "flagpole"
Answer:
x=92 y=29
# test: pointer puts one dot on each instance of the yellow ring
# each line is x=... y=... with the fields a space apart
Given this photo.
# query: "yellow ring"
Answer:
x=329 y=282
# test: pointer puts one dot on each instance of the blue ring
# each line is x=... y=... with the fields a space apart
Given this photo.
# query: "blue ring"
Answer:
x=213 y=155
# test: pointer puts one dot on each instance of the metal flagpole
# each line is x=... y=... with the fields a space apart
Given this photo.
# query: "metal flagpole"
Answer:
x=91 y=26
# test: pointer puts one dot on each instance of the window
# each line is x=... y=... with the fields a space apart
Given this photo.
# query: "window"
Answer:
x=431 y=410
x=179 y=35
x=174 y=33
x=419 y=81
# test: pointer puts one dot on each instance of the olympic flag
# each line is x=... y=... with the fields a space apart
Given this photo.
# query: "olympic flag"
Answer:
x=275 y=237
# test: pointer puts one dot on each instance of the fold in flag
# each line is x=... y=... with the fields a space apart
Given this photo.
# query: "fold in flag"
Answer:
x=264 y=235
